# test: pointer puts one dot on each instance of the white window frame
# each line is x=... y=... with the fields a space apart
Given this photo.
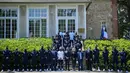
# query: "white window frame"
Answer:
x=17 y=18
x=67 y=17
x=47 y=18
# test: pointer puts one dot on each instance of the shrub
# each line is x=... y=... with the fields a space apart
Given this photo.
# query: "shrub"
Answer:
x=25 y=43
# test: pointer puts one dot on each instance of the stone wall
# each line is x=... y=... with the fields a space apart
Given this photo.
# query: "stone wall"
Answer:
x=99 y=11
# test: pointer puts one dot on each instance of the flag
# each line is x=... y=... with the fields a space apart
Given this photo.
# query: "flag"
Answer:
x=102 y=33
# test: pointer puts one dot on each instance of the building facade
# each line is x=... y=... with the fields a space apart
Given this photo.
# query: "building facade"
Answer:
x=45 y=18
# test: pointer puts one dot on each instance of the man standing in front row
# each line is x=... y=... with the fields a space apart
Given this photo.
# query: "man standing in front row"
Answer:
x=89 y=57
x=60 y=55
x=80 y=60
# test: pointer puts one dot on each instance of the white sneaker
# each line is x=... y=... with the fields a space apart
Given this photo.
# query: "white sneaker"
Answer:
x=118 y=70
x=111 y=69
x=22 y=69
x=17 y=69
x=8 y=70
x=27 y=69
x=36 y=70
x=30 y=69
x=40 y=70
x=14 y=70
x=2 y=70
x=98 y=69
x=103 y=69
x=126 y=71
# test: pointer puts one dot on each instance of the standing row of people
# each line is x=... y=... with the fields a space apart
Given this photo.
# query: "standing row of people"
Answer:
x=54 y=60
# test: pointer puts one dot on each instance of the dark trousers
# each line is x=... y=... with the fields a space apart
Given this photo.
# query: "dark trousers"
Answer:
x=6 y=64
x=89 y=64
x=106 y=63
x=74 y=63
x=60 y=62
x=96 y=62
x=67 y=64
x=34 y=65
x=115 y=64
x=123 y=64
x=80 y=64
x=54 y=64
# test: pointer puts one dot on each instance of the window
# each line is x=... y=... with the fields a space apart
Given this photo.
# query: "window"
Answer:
x=37 y=22
x=66 y=12
x=66 y=20
x=8 y=22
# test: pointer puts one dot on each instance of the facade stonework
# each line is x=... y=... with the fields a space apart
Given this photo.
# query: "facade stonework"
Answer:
x=98 y=12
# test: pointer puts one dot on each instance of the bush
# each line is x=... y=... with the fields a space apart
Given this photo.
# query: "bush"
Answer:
x=118 y=43
x=25 y=43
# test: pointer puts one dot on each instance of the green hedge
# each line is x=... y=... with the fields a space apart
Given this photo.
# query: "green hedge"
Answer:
x=25 y=43
x=31 y=43
x=118 y=43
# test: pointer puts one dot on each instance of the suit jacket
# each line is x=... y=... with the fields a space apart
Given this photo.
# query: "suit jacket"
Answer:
x=78 y=55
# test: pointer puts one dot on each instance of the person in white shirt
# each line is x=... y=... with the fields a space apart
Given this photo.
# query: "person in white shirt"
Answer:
x=60 y=56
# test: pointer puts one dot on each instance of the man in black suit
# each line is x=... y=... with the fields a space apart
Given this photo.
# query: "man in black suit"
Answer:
x=16 y=60
x=25 y=60
x=105 y=58
x=34 y=56
x=115 y=55
x=54 y=59
x=7 y=57
x=74 y=57
x=42 y=59
x=96 y=57
x=67 y=59
x=123 y=58
x=89 y=57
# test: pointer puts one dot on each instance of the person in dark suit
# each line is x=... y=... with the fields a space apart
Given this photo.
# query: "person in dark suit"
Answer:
x=54 y=59
x=34 y=56
x=115 y=55
x=25 y=60
x=80 y=60
x=49 y=59
x=74 y=57
x=42 y=59
x=96 y=57
x=67 y=59
x=123 y=57
x=105 y=54
x=78 y=45
x=6 y=63
x=89 y=57
x=16 y=60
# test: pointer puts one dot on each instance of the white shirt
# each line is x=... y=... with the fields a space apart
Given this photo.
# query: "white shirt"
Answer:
x=60 y=55
x=105 y=35
x=71 y=35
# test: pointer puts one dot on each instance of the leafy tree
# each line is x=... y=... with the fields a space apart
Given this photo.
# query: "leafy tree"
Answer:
x=123 y=17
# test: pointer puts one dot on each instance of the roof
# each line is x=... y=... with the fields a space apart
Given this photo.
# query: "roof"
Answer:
x=47 y=1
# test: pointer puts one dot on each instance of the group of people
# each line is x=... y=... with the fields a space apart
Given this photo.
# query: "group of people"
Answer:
x=66 y=54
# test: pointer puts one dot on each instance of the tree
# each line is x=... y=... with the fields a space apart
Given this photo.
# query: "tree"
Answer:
x=123 y=17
